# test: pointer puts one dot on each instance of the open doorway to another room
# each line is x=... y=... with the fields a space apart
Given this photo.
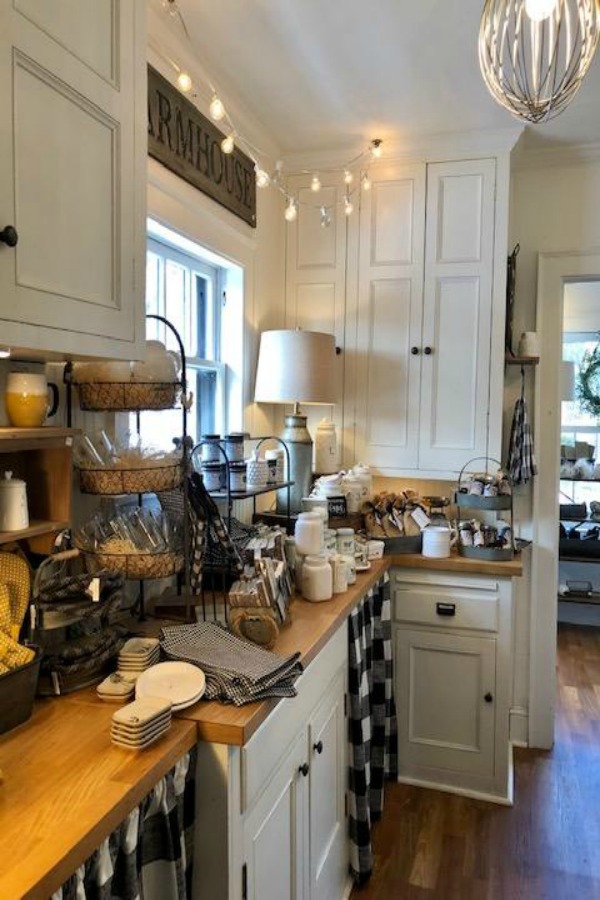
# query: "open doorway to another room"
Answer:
x=579 y=487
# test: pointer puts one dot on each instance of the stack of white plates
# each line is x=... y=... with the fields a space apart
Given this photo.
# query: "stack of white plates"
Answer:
x=140 y=723
x=138 y=654
x=179 y=682
x=118 y=687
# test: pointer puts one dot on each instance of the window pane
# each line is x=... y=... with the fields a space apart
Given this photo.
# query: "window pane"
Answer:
x=205 y=402
x=176 y=300
x=153 y=294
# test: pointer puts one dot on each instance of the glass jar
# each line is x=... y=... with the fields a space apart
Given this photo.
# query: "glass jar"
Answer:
x=317 y=579
x=309 y=533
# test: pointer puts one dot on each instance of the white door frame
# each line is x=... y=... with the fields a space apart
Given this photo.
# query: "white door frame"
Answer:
x=554 y=270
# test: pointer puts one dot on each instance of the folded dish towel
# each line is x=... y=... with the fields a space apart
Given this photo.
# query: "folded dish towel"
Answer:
x=236 y=671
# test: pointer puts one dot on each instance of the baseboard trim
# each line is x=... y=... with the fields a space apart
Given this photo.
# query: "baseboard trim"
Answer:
x=502 y=800
x=519 y=726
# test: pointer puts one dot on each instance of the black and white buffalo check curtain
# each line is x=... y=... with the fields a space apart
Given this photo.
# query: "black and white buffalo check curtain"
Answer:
x=149 y=856
x=371 y=720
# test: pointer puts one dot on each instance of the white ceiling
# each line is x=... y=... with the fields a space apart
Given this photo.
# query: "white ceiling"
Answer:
x=326 y=74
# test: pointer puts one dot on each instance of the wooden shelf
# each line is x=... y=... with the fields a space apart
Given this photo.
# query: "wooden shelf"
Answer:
x=36 y=528
x=16 y=439
x=521 y=360
x=251 y=491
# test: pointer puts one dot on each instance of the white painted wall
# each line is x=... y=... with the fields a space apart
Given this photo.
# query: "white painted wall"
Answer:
x=555 y=207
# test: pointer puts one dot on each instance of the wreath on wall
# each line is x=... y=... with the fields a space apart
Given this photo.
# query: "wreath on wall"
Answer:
x=588 y=382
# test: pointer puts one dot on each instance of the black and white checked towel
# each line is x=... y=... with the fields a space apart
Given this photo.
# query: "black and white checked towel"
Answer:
x=521 y=460
x=236 y=671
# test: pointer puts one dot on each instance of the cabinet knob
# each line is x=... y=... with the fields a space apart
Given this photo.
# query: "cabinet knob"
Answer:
x=489 y=698
x=304 y=769
x=414 y=351
x=9 y=236
x=427 y=351
x=318 y=747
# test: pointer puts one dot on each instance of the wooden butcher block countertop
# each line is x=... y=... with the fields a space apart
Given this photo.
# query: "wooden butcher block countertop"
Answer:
x=66 y=787
x=510 y=569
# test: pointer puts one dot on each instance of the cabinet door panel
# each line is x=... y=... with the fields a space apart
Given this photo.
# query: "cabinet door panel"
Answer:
x=457 y=313
x=445 y=722
x=328 y=848
x=389 y=319
x=275 y=840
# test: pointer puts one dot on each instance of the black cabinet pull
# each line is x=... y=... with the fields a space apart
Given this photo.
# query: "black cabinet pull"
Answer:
x=318 y=747
x=427 y=351
x=414 y=351
x=445 y=609
x=9 y=236
x=304 y=769
x=488 y=698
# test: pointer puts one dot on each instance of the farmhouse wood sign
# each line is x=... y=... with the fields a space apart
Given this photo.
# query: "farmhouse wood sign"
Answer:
x=189 y=144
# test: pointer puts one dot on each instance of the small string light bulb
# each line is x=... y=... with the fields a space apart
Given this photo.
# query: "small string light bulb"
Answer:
x=538 y=10
x=228 y=144
x=366 y=182
x=348 y=177
x=184 y=82
x=376 y=148
x=263 y=179
x=291 y=210
x=325 y=217
x=216 y=109
x=348 y=205
x=315 y=183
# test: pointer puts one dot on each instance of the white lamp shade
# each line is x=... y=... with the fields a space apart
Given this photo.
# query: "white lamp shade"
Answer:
x=295 y=367
x=567 y=380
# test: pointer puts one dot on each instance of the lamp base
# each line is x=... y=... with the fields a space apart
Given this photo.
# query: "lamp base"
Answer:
x=300 y=446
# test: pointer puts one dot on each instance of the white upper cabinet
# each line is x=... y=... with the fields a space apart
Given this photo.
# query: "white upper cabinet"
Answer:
x=457 y=313
x=424 y=317
x=72 y=175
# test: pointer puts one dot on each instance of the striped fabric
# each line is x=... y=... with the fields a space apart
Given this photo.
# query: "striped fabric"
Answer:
x=372 y=720
x=150 y=855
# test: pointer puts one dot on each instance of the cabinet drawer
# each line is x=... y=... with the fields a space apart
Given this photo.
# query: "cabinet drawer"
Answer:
x=266 y=748
x=446 y=608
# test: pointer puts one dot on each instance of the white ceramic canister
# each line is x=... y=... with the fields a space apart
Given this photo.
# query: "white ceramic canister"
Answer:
x=350 y=564
x=345 y=541
x=340 y=573
x=237 y=477
x=328 y=486
x=13 y=504
x=257 y=473
x=325 y=448
x=309 y=533
x=363 y=473
x=352 y=488
x=213 y=476
x=210 y=449
x=317 y=579
x=437 y=541
x=234 y=447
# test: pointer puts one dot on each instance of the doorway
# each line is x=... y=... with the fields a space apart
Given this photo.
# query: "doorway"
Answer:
x=555 y=270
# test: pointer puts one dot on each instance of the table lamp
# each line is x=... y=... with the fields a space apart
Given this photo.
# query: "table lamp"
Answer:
x=296 y=367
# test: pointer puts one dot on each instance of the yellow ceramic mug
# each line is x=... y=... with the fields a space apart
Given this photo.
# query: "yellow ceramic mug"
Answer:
x=27 y=399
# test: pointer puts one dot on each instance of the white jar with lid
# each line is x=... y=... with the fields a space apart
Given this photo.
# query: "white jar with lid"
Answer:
x=349 y=562
x=353 y=491
x=363 y=473
x=340 y=573
x=309 y=533
x=345 y=541
x=13 y=504
x=317 y=579
x=325 y=448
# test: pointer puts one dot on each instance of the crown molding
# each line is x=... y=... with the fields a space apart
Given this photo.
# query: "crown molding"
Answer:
x=545 y=157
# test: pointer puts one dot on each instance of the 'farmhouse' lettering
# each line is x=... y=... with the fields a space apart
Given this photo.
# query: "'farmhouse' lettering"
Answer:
x=189 y=144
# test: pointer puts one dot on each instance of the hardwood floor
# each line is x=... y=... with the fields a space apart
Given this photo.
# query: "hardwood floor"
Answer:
x=434 y=846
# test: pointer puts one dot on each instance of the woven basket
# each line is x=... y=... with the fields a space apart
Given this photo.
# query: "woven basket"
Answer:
x=127 y=396
x=137 y=565
x=130 y=481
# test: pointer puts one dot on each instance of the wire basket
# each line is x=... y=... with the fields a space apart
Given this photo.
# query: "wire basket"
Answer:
x=150 y=480
x=138 y=566
x=129 y=396
x=499 y=502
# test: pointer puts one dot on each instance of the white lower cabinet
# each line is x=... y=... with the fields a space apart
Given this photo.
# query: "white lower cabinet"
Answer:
x=452 y=644
x=271 y=822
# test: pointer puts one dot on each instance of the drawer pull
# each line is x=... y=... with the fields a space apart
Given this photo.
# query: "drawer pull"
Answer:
x=489 y=698
x=9 y=236
x=304 y=769
x=318 y=747
x=445 y=609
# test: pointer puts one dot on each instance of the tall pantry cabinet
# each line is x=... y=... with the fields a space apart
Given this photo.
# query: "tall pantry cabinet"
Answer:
x=424 y=314
x=72 y=176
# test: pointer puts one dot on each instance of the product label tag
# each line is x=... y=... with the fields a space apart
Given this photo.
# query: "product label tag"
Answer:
x=421 y=518
x=94 y=590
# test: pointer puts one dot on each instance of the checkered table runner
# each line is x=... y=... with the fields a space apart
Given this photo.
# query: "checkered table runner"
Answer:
x=372 y=720
x=236 y=671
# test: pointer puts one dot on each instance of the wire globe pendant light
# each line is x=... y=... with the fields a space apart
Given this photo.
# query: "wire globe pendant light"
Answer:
x=534 y=54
